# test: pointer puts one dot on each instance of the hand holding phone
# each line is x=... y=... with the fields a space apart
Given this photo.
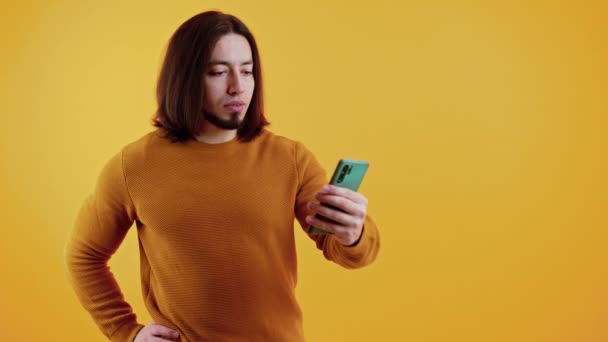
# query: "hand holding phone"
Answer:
x=348 y=174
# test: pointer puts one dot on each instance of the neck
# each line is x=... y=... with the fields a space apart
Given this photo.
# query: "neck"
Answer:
x=211 y=134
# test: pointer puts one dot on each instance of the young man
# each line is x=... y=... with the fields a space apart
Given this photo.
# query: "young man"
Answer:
x=214 y=196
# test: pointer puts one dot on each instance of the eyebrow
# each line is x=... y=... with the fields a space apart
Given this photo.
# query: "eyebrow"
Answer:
x=219 y=62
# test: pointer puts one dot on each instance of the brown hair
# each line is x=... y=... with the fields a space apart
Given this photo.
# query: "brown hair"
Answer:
x=180 y=88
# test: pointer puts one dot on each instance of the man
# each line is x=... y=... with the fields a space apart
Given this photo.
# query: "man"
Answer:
x=214 y=196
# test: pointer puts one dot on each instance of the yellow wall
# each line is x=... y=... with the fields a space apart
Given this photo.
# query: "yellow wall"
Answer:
x=485 y=124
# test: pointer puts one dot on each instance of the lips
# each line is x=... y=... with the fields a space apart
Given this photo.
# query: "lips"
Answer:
x=235 y=105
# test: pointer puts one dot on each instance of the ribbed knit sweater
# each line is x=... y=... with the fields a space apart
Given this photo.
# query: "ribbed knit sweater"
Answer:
x=216 y=234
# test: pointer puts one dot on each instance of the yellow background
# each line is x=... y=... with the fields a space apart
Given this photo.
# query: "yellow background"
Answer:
x=485 y=124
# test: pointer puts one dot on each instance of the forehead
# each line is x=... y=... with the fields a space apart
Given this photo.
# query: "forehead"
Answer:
x=231 y=48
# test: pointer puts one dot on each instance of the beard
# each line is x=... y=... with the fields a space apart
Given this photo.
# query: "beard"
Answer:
x=233 y=123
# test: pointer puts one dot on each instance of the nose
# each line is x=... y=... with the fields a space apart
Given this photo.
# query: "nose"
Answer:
x=235 y=85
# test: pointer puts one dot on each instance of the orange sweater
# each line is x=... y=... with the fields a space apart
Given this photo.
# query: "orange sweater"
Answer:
x=215 y=225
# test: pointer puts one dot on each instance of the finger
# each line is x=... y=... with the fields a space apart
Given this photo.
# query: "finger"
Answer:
x=344 y=192
x=317 y=223
x=342 y=203
x=345 y=235
x=332 y=214
x=162 y=331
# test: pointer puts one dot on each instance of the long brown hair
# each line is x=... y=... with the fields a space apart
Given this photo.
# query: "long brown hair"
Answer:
x=180 y=88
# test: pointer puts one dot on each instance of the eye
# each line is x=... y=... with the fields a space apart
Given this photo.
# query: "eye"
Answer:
x=247 y=72
x=216 y=73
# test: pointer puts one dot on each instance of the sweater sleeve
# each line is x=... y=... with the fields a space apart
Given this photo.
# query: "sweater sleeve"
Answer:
x=100 y=227
x=311 y=178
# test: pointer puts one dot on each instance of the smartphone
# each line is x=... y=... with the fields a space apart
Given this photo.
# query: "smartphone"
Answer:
x=348 y=174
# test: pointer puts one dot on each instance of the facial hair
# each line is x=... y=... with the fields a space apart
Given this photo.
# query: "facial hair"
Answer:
x=233 y=123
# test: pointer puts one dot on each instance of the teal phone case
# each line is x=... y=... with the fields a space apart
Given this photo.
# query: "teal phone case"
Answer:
x=348 y=174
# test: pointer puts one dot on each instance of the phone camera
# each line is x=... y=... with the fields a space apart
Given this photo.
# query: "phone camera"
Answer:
x=345 y=170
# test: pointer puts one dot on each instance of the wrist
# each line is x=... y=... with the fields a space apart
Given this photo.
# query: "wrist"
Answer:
x=358 y=239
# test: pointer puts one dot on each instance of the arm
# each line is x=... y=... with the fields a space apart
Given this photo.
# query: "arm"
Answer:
x=100 y=228
x=311 y=177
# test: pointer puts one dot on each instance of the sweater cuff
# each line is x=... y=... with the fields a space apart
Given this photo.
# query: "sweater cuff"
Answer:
x=361 y=253
x=127 y=332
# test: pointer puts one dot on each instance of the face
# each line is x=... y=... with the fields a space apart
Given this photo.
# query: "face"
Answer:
x=229 y=82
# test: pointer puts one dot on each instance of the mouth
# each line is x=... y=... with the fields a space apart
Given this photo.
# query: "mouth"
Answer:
x=235 y=106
